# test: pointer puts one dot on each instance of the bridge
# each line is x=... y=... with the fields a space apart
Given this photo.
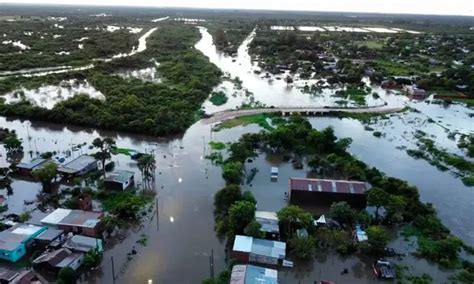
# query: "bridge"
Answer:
x=305 y=111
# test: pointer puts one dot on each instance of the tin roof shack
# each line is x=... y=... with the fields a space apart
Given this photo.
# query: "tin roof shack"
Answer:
x=83 y=244
x=76 y=221
x=15 y=240
x=53 y=261
x=51 y=238
x=269 y=224
x=248 y=249
x=79 y=166
x=7 y=275
x=120 y=180
x=251 y=274
x=35 y=164
x=324 y=192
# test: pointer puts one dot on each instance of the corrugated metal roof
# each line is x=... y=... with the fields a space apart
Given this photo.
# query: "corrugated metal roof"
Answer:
x=78 y=164
x=11 y=238
x=243 y=243
x=120 y=176
x=261 y=247
x=32 y=164
x=251 y=274
x=268 y=221
x=324 y=185
x=69 y=217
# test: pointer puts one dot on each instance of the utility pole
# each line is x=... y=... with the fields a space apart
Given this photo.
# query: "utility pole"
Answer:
x=113 y=269
x=157 y=216
x=211 y=263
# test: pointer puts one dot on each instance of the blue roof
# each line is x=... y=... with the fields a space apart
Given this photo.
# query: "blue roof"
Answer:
x=251 y=274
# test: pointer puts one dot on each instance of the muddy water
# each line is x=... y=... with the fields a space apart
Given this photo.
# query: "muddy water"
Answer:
x=271 y=91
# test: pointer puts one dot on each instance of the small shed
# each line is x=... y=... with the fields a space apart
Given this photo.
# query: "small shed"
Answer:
x=83 y=244
x=58 y=259
x=51 y=238
x=120 y=180
x=269 y=223
x=34 y=164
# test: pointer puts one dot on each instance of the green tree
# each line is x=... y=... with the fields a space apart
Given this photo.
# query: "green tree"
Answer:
x=253 y=229
x=377 y=239
x=147 y=165
x=292 y=218
x=377 y=197
x=224 y=199
x=105 y=148
x=12 y=144
x=232 y=172
x=46 y=175
x=342 y=212
x=302 y=247
x=67 y=275
x=241 y=214
x=92 y=258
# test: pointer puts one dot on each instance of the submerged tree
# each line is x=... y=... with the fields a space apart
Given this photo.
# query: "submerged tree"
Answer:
x=147 y=166
x=105 y=148
x=46 y=175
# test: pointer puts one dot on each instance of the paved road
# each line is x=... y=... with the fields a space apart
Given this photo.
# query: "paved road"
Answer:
x=230 y=114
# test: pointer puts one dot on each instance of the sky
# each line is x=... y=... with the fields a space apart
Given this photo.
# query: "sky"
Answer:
x=437 y=7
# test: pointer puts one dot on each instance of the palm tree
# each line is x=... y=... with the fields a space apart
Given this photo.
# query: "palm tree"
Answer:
x=147 y=166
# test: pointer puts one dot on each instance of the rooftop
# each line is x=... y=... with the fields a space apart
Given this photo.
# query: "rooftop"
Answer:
x=32 y=164
x=260 y=246
x=49 y=235
x=268 y=221
x=119 y=176
x=11 y=238
x=70 y=217
x=7 y=275
x=82 y=243
x=251 y=274
x=326 y=185
x=77 y=164
x=59 y=258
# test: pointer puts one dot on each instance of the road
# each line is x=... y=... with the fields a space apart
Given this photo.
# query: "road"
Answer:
x=230 y=114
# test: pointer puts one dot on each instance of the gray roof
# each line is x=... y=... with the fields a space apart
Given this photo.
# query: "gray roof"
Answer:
x=11 y=238
x=7 y=275
x=119 y=176
x=261 y=247
x=78 y=164
x=251 y=274
x=32 y=164
x=49 y=235
x=58 y=258
x=268 y=221
x=69 y=217
x=83 y=243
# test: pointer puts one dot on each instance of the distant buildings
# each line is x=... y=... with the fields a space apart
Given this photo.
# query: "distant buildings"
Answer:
x=76 y=221
x=79 y=166
x=15 y=240
x=251 y=274
x=324 y=192
x=248 y=249
x=391 y=84
x=120 y=180
x=415 y=93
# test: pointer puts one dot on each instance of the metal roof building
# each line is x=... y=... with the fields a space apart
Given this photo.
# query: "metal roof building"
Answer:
x=248 y=249
x=326 y=192
x=251 y=274
x=79 y=166
x=76 y=221
x=268 y=222
x=13 y=241
x=120 y=180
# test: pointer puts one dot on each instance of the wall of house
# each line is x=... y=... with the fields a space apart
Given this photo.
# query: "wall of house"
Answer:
x=326 y=198
x=14 y=255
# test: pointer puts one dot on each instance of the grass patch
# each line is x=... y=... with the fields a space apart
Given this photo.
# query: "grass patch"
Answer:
x=218 y=98
x=215 y=145
x=124 y=151
x=260 y=119
x=372 y=44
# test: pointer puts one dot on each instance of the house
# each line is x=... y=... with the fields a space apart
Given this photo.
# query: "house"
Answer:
x=248 y=249
x=120 y=180
x=324 y=192
x=76 y=221
x=35 y=164
x=15 y=240
x=269 y=224
x=83 y=244
x=51 y=238
x=251 y=274
x=7 y=275
x=55 y=260
x=79 y=166
x=415 y=92
x=29 y=277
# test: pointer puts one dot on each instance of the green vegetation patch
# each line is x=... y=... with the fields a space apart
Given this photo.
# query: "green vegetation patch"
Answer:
x=217 y=145
x=260 y=119
x=218 y=98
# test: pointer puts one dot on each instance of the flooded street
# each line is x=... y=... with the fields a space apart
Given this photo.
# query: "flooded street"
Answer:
x=180 y=237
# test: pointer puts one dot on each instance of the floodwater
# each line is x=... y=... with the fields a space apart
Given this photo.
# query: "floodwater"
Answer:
x=180 y=237
x=271 y=90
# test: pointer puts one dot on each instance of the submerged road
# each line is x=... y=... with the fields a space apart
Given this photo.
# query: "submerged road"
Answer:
x=230 y=114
